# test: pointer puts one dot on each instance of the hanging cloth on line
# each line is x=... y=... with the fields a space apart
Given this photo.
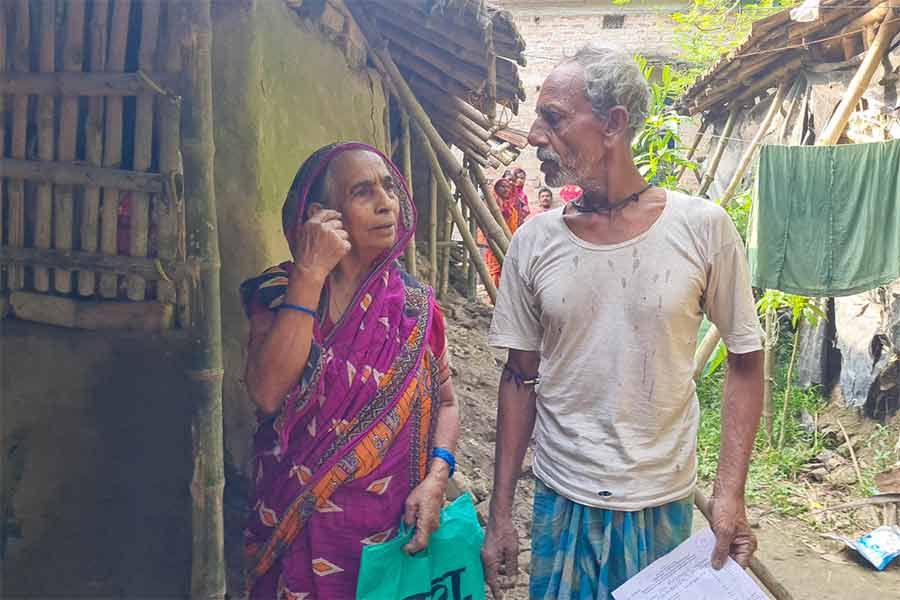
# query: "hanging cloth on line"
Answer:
x=826 y=219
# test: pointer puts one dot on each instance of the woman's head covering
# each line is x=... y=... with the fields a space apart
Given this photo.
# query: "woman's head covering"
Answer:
x=309 y=186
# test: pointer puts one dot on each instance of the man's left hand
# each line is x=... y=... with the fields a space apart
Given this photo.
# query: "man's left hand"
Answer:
x=733 y=533
x=423 y=509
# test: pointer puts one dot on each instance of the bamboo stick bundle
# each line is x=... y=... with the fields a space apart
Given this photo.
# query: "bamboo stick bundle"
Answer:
x=451 y=116
x=112 y=150
x=64 y=198
x=205 y=363
x=93 y=145
x=481 y=180
x=468 y=238
x=406 y=149
x=167 y=207
x=3 y=144
x=467 y=138
x=143 y=146
x=46 y=121
x=449 y=104
x=385 y=64
x=20 y=63
x=710 y=174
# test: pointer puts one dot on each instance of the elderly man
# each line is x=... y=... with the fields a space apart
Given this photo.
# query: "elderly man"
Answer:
x=599 y=308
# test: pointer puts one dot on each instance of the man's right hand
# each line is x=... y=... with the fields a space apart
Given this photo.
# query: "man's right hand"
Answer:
x=500 y=555
x=321 y=243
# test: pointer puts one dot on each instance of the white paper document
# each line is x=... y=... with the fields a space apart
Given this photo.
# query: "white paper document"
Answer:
x=686 y=573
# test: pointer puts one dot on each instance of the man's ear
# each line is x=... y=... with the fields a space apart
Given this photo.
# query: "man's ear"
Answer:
x=617 y=122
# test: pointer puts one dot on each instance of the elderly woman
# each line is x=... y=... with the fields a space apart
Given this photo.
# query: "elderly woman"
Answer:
x=347 y=366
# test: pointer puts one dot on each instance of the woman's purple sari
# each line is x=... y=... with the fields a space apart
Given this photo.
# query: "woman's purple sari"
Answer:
x=334 y=467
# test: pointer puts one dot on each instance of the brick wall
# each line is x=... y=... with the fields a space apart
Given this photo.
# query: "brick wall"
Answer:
x=555 y=29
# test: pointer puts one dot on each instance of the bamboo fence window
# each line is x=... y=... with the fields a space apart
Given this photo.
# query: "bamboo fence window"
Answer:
x=90 y=160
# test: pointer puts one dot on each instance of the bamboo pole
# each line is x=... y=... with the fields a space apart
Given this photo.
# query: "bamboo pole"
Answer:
x=432 y=228
x=148 y=268
x=471 y=273
x=406 y=149
x=168 y=210
x=143 y=147
x=455 y=213
x=710 y=174
x=64 y=198
x=446 y=251
x=480 y=178
x=20 y=63
x=205 y=363
x=385 y=64
x=705 y=350
x=768 y=412
x=83 y=83
x=46 y=122
x=2 y=150
x=750 y=152
x=756 y=566
x=75 y=173
x=696 y=144
x=112 y=147
x=838 y=122
x=93 y=146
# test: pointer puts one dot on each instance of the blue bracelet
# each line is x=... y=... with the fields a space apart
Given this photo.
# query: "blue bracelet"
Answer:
x=447 y=457
x=298 y=308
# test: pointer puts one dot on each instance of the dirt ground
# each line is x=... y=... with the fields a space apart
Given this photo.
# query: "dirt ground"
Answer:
x=811 y=567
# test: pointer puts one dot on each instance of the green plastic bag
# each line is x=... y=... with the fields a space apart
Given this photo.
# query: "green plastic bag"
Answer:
x=448 y=569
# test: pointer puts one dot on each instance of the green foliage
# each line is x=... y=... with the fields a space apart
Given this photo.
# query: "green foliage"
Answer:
x=801 y=308
x=658 y=152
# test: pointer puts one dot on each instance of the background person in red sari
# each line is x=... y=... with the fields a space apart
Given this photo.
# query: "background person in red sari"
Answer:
x=519 y=176
x=347 y=365
x=506 y=199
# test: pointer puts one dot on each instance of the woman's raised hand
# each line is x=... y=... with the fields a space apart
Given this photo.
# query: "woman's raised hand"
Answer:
x=321 y=243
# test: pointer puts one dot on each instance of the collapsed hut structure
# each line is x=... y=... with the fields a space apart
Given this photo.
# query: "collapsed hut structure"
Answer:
x=830 y=80
x=145 y=149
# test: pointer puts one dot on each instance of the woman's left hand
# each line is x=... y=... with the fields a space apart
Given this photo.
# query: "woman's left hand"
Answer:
x=423 y=509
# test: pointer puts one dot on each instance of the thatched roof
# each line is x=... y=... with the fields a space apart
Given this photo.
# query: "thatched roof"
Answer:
x=460 y=57
x=778 y=47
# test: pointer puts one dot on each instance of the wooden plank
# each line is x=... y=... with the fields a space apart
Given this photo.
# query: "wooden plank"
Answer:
x=87 y=84
x=46 y=117
x=77 y=173
x=93 y=153
x=112 y=147
x=167 y=213
x=75 y=260
x=20 y=63
x=88 y=314
x=139 y=208
x=710 y=174
x=64 y=198
x=406 y=150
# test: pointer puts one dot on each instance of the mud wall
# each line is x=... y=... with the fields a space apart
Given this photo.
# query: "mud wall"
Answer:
x=100 y=421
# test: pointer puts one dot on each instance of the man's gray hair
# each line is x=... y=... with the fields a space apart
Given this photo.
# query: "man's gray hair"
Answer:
x=613 y=78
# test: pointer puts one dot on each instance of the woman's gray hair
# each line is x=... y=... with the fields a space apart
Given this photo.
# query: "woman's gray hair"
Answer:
x=613 y=78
